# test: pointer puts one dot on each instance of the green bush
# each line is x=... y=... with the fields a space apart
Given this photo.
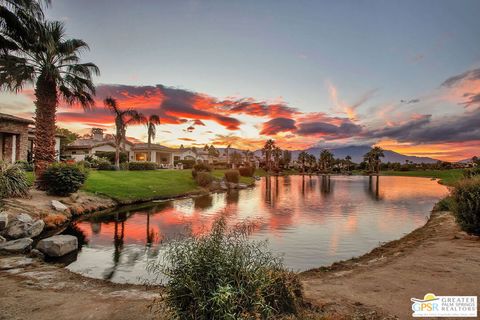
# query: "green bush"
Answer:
x=24 y=165
x=62 y=179
x=467 y=204
x=200 y=167
x=446 y=204
x=110 y=155
x=187 y=164
x=224 y=275
x=472 y=172
x=203 y=179
x=142 y=166
x=104 y=164
x=246 y=171
x=232 y=176
x=13 y=182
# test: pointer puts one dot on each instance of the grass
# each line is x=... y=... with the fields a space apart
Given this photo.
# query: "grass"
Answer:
x=447 y=177
x=30 y=177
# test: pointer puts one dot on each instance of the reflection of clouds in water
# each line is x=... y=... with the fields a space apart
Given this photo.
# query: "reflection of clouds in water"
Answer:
x=313 y=220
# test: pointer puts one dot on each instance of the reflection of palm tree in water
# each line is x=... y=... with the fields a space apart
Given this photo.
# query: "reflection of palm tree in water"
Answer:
x=374 y=192
x=119 y=234
x=326 y=186
x=268 y=189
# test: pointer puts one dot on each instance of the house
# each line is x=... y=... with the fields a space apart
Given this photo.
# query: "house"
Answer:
x=13 y=138
x=97 y=142
x=193 y=154
x=17 y=136
x=159 y=154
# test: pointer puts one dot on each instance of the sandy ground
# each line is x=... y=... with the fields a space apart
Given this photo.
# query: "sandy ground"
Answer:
x=435 y=258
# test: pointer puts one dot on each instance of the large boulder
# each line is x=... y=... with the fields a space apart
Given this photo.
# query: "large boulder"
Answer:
x=23 y=217
x=3 y=221
x=36 y=228
x=58 y=246
x=17 y=229
x=17 y=246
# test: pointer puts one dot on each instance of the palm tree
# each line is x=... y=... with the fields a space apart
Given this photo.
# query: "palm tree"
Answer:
x=277 y=156
x=311 y=161
x=151 y=123
x=227 y=151
x=236 y=158
x=302 y=158
x=267 y=152
x=37 y=52
x=348 y=161
x=326 y=160
x=373 y=159
x=122 y=119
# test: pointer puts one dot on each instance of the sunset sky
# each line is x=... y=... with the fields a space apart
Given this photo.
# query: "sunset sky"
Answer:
x=401 y=74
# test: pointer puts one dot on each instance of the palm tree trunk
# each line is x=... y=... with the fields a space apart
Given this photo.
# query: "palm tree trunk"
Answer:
x=149 y=155
x=46 y=107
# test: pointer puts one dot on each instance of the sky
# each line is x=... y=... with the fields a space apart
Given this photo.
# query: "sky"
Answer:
x=404 y=75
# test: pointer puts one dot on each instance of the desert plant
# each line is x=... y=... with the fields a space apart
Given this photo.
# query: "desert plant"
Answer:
x=24 y=165
x=232 y=176
x=63 y=179
x=224 y=275
x=466 y=195
x=142 y=166
x=246 y=171
x=203 y=179
x=13 y=182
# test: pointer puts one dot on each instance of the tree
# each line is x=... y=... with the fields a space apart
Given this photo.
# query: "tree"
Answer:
x=267 y=152
x=151 y=123
x=326 y=161
x=227 y=153
x=287 y=158
x=236 y=158
x=311 y=161
x=248 y=157
x=348 y=162
x=122 y=119
x=37 y=52
x=66 y=137
x=212 y=152
x=302 y=159
x=277 y=156
x=372 y=158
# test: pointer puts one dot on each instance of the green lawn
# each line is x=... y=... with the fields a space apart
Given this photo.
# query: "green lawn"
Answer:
x=447 y=177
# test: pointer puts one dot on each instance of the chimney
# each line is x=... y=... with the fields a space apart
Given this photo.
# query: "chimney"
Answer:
x=97 y=134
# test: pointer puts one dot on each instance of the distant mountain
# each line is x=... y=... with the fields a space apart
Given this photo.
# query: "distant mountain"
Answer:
x=357 y=152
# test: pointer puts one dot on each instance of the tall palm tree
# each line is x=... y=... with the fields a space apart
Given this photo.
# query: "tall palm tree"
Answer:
x=277 y=156
x=302 y=158
x=348 y=161
x=267 y=152
x=151 y=123
x=373 y=159
x=37 y=52
x=122 y=119
x=326 y=160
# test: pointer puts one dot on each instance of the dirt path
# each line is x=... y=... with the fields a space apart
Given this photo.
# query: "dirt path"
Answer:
x=34 y=290
x=436 y=258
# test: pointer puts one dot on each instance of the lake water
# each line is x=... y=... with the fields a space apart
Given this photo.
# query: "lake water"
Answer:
x=312 y=221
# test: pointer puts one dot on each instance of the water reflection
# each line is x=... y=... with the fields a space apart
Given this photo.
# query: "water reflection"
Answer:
x=312 y=220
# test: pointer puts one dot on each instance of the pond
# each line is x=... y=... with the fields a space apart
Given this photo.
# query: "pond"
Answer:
x=311 y=221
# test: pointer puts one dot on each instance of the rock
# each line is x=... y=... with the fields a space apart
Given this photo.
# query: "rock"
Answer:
x=74 y=196
x=242 y=186
x=24 y=218
x=58 y=206
x=3 y=221
x=58 y=246
x=36 y=254
x=16 y=230
x=223 y=185
x=2 y=239
x=36 y=228
x=17 y=246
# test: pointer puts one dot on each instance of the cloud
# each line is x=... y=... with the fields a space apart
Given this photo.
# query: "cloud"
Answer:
x=467 y=75
x=250 y=106
x=186 y=139
x=349 y=109
x=423 y=129
x=411 y=101
x=274 y=126
x=198 y=122
x=326 y=129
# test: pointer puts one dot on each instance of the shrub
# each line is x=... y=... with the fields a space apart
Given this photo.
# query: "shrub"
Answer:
x=187 y=164
x=13 y=182
x=110 y=155
x=62 y=179
x=232 y=176
x=467 y=204
x=200 y=167
x=24 y=165
x=142 y=166
x=224 y=275
x=104 y=164
x=446 y=204
x=203 y=179
x=246 y=171
x=472 y=172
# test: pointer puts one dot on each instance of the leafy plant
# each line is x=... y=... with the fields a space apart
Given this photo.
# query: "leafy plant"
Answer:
x=187 y=164
x=246 y=171
x=232 y=176
x=62 y=179
x=203 y=179
x=142 y=166
x=13 y=182
x=200 y=167
x=472 y=172
x=224 y=275
x=24 y=165
x=446 y=204
x=467 y=204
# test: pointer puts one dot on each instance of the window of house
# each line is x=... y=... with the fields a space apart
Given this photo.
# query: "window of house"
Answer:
x=140 y=156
